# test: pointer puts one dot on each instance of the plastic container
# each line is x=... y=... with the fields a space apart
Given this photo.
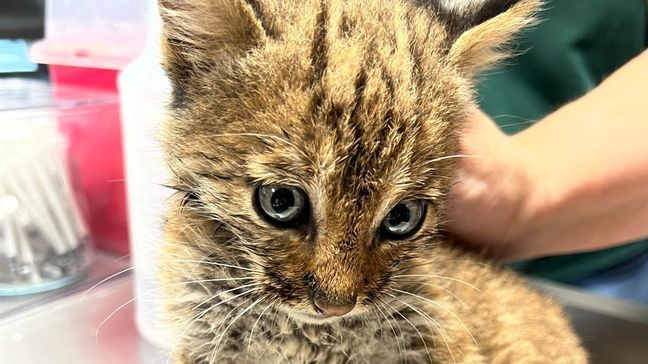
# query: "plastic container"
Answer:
x=144 y=90
x=82 y=77
x=104 y=34
x=86 y=43
x=43 y=240
x=43 y=207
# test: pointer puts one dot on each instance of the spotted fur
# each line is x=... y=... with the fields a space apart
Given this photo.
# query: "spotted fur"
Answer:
x=358 y=103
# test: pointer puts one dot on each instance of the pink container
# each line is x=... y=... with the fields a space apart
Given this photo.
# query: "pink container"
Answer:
x=83 y=77
x=86 y=43
x=95 y=149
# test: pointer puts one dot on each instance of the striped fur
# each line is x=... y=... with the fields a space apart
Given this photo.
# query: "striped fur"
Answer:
x=360 y=104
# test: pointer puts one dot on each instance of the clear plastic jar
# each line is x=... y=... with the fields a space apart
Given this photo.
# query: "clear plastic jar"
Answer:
x=43 y=237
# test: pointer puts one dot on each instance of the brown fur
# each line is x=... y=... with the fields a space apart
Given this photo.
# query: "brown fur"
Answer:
x=357 y=103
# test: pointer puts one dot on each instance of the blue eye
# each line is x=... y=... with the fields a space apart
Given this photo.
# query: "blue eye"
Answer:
x=283 y=205
x=404 y=219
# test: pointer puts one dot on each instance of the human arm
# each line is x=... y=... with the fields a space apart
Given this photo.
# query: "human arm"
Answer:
x=575 y=181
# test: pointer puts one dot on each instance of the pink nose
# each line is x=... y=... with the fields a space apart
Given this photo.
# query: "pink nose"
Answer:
x=328 y=309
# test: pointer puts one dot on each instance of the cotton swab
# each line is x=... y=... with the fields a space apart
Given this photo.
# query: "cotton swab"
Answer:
x=42 y=234
x=8 y=206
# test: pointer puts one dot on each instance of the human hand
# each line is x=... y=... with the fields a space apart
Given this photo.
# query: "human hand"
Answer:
x=576 y=181
x=486 y=209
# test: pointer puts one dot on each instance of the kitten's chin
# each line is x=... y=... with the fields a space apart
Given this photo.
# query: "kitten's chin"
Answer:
x=312 y=318
x=318 y=319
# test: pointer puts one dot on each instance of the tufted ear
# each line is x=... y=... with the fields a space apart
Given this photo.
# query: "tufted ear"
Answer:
x=479 y=30
x=196 y=33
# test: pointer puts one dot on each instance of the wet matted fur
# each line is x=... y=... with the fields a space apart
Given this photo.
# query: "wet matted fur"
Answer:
x=359 y=104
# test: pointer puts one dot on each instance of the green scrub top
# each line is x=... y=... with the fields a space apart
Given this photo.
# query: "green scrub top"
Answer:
x=577 y=44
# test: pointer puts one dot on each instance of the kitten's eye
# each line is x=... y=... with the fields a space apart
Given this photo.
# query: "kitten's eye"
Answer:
x=404 y=219
x=283 y=205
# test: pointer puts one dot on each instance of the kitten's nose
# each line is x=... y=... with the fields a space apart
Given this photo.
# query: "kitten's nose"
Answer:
x=329 y=309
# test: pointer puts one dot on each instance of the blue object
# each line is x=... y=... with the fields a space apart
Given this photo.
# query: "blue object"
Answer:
x=14 y=56
x=628 y=280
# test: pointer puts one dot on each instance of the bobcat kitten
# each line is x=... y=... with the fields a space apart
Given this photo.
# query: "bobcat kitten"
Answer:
x=312 y=144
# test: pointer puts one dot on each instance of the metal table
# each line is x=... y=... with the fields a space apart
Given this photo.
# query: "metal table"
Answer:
x=75 y=329
x=78 y=329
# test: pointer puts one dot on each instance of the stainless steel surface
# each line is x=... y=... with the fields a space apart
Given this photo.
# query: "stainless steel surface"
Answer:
x=65 y=331
x=613 y=331
x=103 y=265
x=79 y=329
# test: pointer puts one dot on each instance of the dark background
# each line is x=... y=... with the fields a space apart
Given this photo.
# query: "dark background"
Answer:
x=21 y=19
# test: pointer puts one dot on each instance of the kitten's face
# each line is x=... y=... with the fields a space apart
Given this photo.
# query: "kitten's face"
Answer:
x=316 y=151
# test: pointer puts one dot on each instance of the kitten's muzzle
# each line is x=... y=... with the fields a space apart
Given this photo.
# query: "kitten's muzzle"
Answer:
x=328 y=307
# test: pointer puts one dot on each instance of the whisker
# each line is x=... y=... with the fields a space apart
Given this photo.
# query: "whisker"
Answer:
x=126 y=270
x=212 y=345
x=428 y=319
x=211 y=263
x=257 y=321
x=416 y=329
x=275 y=319
x=247 y=309
x=227 y=291
x=416 y=266
x=378 y=310
x=442 y=307
x=110 y=316
x=206 y=280
x=434 y=322
x=105 y=280
x=375 y=312
x=267 y=347
x=438 y=287
x=523 y=121
x=439 y=277
x=195 y=318
x=400 y=352
x=469 y=261
x=455 y=157
x=206 y=256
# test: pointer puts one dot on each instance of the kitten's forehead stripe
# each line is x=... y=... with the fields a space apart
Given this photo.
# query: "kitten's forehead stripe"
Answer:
x=266 y=23
x=365 y=150
x=356 y=126
x=319 y=49
x=395 y=77
x=347 y=25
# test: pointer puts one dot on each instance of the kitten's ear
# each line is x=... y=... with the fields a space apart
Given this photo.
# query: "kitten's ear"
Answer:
x=479 y=29
x=197 y=32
